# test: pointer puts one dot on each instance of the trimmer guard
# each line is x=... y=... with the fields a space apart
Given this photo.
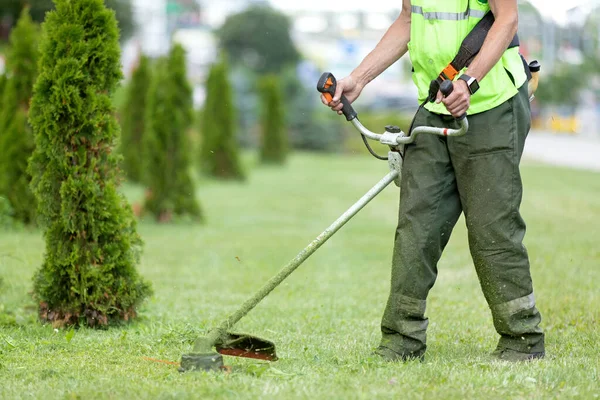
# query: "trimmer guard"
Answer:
x=240 y=345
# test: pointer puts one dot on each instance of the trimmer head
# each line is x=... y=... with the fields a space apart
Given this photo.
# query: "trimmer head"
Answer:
x=238 y=345
x=229 y=344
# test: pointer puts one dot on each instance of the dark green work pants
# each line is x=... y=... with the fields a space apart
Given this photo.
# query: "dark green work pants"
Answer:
x=477 y=174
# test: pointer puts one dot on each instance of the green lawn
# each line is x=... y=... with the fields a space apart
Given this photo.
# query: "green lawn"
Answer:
x=325 y=317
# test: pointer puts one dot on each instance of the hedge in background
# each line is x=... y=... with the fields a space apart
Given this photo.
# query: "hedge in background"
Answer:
x=219 y=152
x=167 y=152
x=16 y=137
x=133 y=121
x=274 y=146
x=88 y=274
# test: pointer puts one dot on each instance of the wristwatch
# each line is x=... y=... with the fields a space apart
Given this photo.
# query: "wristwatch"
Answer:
x=472 y=83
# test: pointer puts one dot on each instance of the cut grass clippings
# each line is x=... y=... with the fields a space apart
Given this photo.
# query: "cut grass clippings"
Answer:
x=325 y=317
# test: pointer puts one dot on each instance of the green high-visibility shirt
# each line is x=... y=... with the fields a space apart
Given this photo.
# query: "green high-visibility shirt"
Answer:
x=438 y=27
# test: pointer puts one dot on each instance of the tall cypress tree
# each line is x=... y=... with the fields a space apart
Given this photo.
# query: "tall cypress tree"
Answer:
x=88 y=274
x=274 y=148
x=16 y=137
x=133 y=121
x=168 y=118
x=219 y=153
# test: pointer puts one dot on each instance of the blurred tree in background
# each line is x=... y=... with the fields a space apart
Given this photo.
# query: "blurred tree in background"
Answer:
x=258 y=41
x=89 y=272
x=219 y=156
x=169 y=115
x=6 y=214
x=259 y=37
x=559 y=87
x=10 y=9
x=2 y=86
x=590 y=38
x=133 y=121
x=274 y=146
x=311 y=126
x=16 y=136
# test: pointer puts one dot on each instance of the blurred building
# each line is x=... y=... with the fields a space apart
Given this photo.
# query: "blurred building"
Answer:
x=330 y=41
x=214 y=12
x=152 y=37
x=336 y=40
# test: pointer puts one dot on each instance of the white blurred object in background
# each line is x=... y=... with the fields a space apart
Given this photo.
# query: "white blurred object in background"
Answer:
x=151 y=19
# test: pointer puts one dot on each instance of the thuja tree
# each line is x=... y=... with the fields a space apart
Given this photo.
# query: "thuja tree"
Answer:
x=169 y=116
x=219 y=152
x=16 y=137
x=89 y=272
x=274 y=146
x=133 y=121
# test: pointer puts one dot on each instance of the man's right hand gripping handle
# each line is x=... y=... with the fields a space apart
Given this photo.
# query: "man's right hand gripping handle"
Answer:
x=447 y=87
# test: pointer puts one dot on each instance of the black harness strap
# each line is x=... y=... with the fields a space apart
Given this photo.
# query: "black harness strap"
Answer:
x=469 y=48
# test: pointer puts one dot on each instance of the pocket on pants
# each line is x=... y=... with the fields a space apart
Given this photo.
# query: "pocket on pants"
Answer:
x=491 y=132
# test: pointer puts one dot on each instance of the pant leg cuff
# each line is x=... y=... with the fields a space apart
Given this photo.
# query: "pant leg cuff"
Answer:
x=514 y=306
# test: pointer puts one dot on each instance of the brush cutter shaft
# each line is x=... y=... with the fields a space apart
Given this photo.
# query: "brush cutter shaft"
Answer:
x=301 y=257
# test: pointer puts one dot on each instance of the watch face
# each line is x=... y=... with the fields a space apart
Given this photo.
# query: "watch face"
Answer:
x=471 y=83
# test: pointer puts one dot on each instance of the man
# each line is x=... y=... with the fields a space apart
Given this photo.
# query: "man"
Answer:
x=477 y=174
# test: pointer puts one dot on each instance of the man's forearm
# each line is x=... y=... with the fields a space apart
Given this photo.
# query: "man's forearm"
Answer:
x=499 y=37
x=392 y=46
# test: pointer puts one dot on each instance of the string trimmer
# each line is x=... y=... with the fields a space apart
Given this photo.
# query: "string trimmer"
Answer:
x=208 y=351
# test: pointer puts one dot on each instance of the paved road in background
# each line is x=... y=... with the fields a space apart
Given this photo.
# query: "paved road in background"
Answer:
x=563 y=150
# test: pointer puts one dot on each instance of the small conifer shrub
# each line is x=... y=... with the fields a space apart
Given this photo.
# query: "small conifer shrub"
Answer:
x=219 y=151
x=133 y=121
x=169 y=116
x=274 y=146
x=16 y=136
x=88 y=274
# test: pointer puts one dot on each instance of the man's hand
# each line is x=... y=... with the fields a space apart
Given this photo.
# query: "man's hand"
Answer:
x=459 y=100
x=349 y=88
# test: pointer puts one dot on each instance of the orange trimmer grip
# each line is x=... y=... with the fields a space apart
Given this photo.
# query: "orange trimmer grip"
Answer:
x=327 y=85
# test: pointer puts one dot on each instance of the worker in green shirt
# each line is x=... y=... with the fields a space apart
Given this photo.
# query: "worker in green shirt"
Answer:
x=477 y=174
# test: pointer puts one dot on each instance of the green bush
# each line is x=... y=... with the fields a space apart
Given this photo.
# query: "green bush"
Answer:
x=6 y=213
x=559 y=89
x=274 y=147
x=219 y=150
x=316 y=129
x=133 y=121
x=167 y=151
x=16 y=137
x=88 y=274
x=311 y=125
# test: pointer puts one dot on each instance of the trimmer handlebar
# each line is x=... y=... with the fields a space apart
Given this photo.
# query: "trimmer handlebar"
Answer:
x=327 y=85
x=401 y=138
